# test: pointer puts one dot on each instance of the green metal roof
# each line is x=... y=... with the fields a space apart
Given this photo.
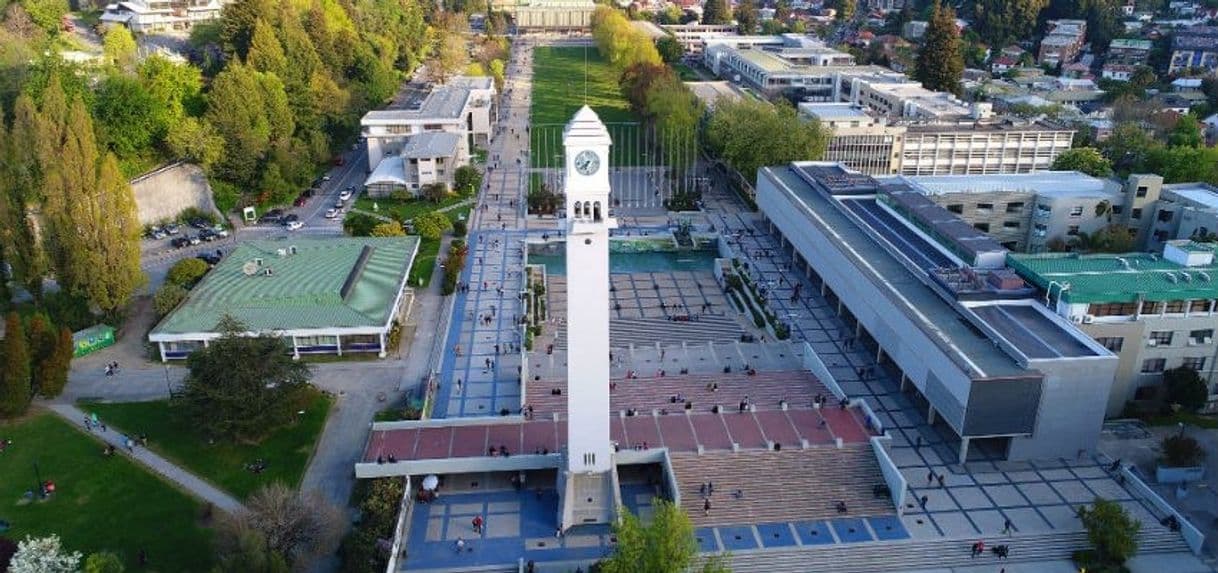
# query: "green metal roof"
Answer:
x=328 y=283
x=1119 y=278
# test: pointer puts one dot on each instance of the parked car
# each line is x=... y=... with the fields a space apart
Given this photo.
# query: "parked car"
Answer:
x=271 y=217
x=290 y=218
x=200 y=223
x=340 y=204
x=325 y=177
x=172 y=228
x=332 y=214
x=207 y=235
x=179 y=242
x=346 y=194
x=294 y=225
x=193 y=239
x=209 y=258
x=155 y=232
x=220 y=231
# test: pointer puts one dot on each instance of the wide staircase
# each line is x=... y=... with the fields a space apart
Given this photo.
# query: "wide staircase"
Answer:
x=623 y=333
x=786 y=485
x=936 y=554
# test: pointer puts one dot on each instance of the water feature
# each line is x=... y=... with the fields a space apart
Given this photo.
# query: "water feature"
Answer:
x=619 y=262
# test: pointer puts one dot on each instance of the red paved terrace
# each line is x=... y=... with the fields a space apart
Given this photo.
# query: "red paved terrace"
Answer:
x=655 y=423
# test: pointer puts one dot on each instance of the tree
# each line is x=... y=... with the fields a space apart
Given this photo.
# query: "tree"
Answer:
x=238 y=20
x=671 y=50
x=297 y=525
x=432 y=225
x=43 y=555
x=176 y=87
x=750 y=134
x=388 y=229
x=109 y=271
x=844 y=10
x=1127 y=147
x=47 y=14
x=168 y=297
x=450 y=56
x=186 y=272
x=746 y=19
x=129 y=117
x=20 y=189
x=665 y=545
x=1087 y=160
x=1112 y=532
x=359 y=224
x=716 y=12
x=940 y=63
x=195 y=140
x=1110 y=239
x=1184 y=386
x=15 y=389
x=242 y=386
x=41 y=339
x=467 y=179
x=237 y=112
x=243 y=549
x=104 y=562
x=120 y=49
x=265 y=53
x=1001 y=21
x=1186 y=132
x=55 y=369
x=434 y=192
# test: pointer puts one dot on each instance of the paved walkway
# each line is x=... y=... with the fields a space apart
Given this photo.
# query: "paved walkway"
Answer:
x=186 y=480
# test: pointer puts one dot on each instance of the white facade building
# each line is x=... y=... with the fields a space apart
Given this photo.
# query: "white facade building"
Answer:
x=152 y=16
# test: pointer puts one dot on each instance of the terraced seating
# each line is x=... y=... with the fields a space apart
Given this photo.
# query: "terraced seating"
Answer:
x=787 y=485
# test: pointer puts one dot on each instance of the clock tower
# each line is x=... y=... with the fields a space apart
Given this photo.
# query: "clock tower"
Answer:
x=589 y=489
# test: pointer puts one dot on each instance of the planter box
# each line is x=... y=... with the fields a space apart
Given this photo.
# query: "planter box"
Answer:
x=1164 y=474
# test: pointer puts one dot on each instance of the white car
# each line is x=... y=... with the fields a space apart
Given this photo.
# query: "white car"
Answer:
x=332 y=214
x=294 y=225
x=325 y=177
x=346 y=194
x=220 y=231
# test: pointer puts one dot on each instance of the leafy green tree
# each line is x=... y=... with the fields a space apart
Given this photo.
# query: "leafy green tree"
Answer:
x=1186 y=132
x=238 y=20
x=168 y=297
x=716 y=12
x=619 y=42
x=388 y=229
x=129 y=117
x=265 y=53
x=940 y=63
x=498 y=73
x=1087 y=160
x=432 y=225
x=44 y=555
x=467 y=179
x=176 y=87
x=750 y=134
x=1127 y=147
x=665 y=545
x=47 y=14
x=20 y=190
x=195 y=140
x=241 y=387
x=1110 y=239
x=104 y=562
x=120 y=49
x=1181 y=451
x=671 y=50
x=1182 y=164
x=110 y=271
x=1184 y=386
x=41 y=340
x=1112 y=532
x=674 y=113
x=359 y=224
x=435 y=192
x=746 y=18
x=15 y=389
x=449 y=56
x=999 y=22
x=844 y=10
x=55 y=369
x=238 y=113
x=186 y=272
x=242 y=548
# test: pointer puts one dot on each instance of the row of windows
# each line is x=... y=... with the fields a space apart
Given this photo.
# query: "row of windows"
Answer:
x=1013 y=207
x=1158 y=365
x=1165 y=307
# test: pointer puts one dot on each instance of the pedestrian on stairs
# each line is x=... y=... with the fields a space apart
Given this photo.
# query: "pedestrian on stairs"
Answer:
x=706 y=506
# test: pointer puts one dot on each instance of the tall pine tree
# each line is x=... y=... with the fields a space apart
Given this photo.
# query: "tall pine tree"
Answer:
x=114 y=238
x=940 y=62
x=20 y=189
x=15 y=383
x=746 y=16
x=716 y=12
x=42 y=339
x=55 y=370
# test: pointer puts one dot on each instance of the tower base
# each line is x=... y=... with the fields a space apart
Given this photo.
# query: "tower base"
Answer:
x=587 y=498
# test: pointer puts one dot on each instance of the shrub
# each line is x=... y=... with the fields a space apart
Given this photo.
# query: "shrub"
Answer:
x=168 y=298
x=191 y=213
x=460 y=228
x=453 y=266
x=467 y=179
x=1112 y=532
x=432 y=225
x=388 y=229
x=186 y=272
x=359 y=224
x=1185 y=387
x=1181 y=452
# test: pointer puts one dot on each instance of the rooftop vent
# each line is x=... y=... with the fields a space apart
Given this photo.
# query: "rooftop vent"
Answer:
x=268 y=272
x=1171 y=278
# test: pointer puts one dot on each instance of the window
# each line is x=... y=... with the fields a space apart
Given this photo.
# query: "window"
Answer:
x=1135 y=213
x=1165 y=216
x=1072 y=230
x=1200 y=305
x=1153 y=365
x=1201 y=336
x=985 y=206
x=1118 y=209
x=983 y=227
x=1015 y=207
x=1113 y=309
x=1160 y=338
x=1196 y=363
x=1175 y=306
x=956 y=208
x=1076 y=211
x=1141 y=192
x=1113 y=343
x=1010 y=224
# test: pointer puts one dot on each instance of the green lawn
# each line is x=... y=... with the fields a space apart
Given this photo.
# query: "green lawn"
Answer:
x=100 y=504
x=286 y=451
x=405 y=210
x=559 y=90
x=424 y=262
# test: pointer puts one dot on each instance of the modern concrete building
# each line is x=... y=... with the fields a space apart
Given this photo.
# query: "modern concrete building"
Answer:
x=426 y=159
x=464 y=107
x=795 y=64
x=1195 y=47
x=1183 y=211
x=693 y=36
x=897 y=97
x=1025 y=212
x=871 y=143
x=323 y=296
x=153 y=16
x=1154 y=312
x=962 y=333
x=548 y=15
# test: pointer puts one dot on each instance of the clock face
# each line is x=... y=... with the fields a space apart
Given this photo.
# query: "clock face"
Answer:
x=587 y=162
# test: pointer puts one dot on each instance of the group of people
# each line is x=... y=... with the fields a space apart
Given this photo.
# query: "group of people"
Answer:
x=1000 y=551
x=111 y=368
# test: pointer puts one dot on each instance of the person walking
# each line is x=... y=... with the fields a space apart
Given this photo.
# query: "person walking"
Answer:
x=706 y=506
x=477 y=523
